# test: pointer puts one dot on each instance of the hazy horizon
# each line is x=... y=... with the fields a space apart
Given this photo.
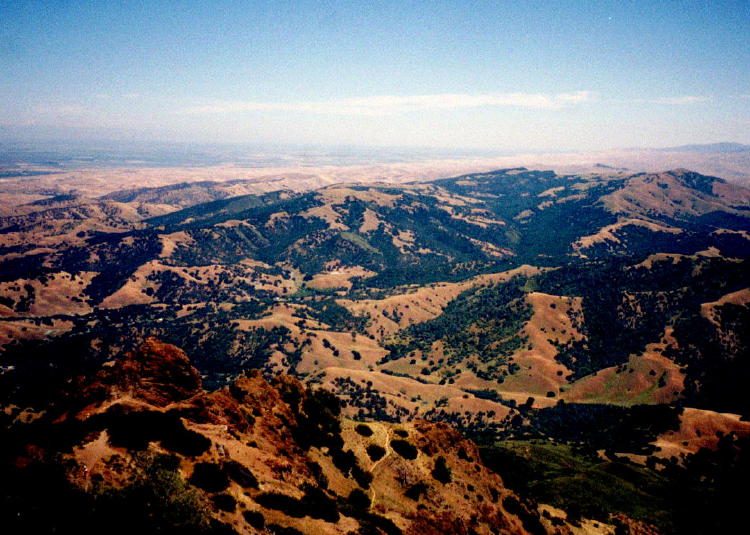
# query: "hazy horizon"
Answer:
x=496 y=76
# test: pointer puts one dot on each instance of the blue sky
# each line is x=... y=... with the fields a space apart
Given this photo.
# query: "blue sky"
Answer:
x=523 y=75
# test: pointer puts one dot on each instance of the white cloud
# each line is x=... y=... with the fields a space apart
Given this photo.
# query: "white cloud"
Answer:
x=385 y=105
x=678 y=101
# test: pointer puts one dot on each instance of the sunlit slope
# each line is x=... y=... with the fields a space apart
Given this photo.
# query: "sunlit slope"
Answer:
x=456 y=299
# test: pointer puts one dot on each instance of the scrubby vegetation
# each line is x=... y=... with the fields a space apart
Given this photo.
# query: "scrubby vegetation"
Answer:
x=375 y=452
x=315 y=503
x=482 y=323
x=416 y=491
x=624 y=308
x=240 y=474
x=255 y=519
x=134 y=430
x=672 y=497
x=40 y=499
x=363 y=430
x=404 y=448
x=237 y=290
x=604 y=426
x=209 y=477
x=441 y=472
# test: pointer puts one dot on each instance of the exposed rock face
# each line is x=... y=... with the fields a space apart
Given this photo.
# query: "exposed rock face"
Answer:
x=157 y=373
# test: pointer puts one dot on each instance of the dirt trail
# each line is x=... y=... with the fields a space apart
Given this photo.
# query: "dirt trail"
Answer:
x=388 y=452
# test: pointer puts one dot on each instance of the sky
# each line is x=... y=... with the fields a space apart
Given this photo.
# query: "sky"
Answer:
x=520 y=75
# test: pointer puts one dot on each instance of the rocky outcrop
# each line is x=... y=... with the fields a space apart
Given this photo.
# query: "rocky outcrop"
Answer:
x=156 y=374
x=258 y=455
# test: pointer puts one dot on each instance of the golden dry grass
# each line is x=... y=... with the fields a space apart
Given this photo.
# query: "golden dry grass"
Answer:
x=142 y=282
x=608 y=233
x=339 y=194
x=421 y=304
x=698 y=429
x=550 y=322
x=635 y=382
x=327 y=214
x=664 y=194
x=413 y=396
x=480 y=219
x=11 y=331
x=63 y=293
x=740 y=297
x=338 y=277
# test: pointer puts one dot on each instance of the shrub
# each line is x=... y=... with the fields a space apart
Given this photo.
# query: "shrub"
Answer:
x=225 y=502
x=364 y=430
x=415 y=491
x=318 y=421
x=512 y=505
x=376 y=524
x=209 y=477
x=240 y=474
x=40 y=499
x=530 y=521
x=344 y=460
x=320 y=478
x=217 y=527
x=134 y=431
x=255 y=519
x=375 y=452
x=315 y=504
x=170 y=463
x=362 y=478
x=441 y=472
x=186 y=442
x=359 y=500
x=404 y=449
x=281 y=502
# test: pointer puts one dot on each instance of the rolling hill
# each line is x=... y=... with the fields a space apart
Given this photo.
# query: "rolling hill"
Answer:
x=603 y=312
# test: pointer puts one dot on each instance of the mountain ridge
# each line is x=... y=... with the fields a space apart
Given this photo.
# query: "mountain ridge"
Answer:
x=262 y=454
x=599 y=315
x=721 y=147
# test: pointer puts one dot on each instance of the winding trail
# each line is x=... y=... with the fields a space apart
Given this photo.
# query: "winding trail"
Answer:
x=388 y=452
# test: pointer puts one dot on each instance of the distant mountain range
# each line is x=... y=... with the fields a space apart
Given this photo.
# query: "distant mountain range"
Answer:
x=710 y=148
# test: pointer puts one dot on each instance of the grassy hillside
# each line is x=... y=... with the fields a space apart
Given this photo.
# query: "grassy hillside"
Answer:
x=605 y=315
